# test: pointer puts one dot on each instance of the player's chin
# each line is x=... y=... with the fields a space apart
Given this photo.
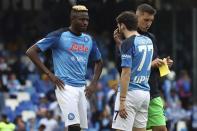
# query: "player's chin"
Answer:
x=144 y=29
x=147 y=28
x=83 y=29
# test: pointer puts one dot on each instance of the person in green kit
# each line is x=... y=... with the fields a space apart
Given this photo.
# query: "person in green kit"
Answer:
x=5 y=125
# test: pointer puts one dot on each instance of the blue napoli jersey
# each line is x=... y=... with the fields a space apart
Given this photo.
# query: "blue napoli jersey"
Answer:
x=70 y=54
x=137 y=53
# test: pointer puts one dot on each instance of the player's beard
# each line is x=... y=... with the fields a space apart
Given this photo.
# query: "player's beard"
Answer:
x=83 y=29
x=147 y=28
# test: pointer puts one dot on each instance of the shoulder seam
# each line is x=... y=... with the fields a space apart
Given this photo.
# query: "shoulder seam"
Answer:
x=57 y=32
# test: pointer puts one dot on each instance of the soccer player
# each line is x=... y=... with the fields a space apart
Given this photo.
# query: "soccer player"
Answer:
x=156 y=118
x=5 y=124
x=71 y=49
x=132 y=101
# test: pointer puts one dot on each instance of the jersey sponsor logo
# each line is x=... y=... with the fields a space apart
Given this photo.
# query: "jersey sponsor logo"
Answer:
x=140 y=79
x=78 y=48
x=125 y=56
x=71 y=116
x=78 y=58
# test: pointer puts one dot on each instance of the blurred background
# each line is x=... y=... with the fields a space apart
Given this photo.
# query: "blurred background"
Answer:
x=27 y=96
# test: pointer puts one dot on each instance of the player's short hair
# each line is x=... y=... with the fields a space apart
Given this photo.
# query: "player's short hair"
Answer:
x=76 y=9
x=146 y=8
x=129 y=19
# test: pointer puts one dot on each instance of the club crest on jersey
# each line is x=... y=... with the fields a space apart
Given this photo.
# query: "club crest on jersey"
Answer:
x=86 y=39
x=71 y=116
x=79 y=48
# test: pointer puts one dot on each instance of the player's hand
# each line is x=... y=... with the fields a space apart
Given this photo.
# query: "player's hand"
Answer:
x=169 y=61
x=59 y=83
x=157 y=63
x=122 y=110
x=117 y=38
x=90 y=89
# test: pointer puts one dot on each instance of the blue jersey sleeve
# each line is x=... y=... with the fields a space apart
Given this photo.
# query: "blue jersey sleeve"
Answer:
x=95 y=53
x=126 y=53
x=49 y=41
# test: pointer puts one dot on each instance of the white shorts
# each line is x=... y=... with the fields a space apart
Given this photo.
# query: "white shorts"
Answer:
x=137 y=102
x=73 y=104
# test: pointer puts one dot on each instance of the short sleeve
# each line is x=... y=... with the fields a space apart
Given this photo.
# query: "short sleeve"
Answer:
x=95 y=53
x=49 y=41
x=126 y=53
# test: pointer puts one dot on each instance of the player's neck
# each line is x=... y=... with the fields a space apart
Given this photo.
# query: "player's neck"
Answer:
x=73 y=31
x=128 y=34
x=141 y=31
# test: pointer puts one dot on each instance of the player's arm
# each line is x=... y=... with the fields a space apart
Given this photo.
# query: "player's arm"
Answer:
x=126 y=64
x=95 y=55
x=97 y=70
x=117 y=38
x=156 y=62
x=33 y=54
x=98 y=65
x=124 y=81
